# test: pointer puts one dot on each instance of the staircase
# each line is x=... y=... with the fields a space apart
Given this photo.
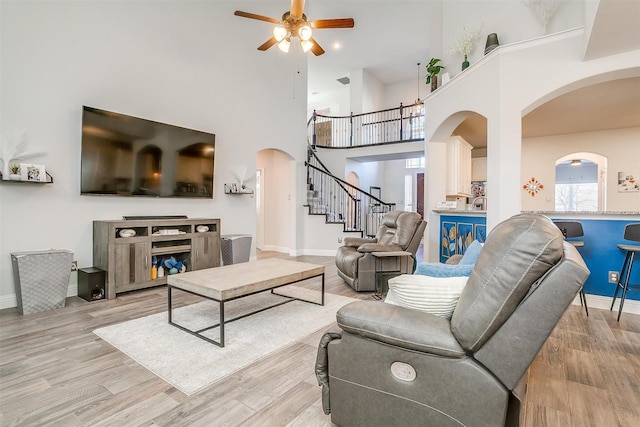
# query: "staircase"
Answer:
x=340 y=202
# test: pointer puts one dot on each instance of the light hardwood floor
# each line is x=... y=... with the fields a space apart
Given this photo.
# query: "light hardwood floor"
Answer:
x=55 y=371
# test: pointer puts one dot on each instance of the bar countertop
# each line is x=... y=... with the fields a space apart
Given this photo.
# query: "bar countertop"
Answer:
x=587 y=213
x=631 y=215
x=460 y=212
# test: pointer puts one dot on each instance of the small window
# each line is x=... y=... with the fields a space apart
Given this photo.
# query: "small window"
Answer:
x=417 y=163
x=408 y=192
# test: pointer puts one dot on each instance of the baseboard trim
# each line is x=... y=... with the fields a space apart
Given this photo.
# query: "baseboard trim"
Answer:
x=10 y=301
x=276 y=249
x=316 y=252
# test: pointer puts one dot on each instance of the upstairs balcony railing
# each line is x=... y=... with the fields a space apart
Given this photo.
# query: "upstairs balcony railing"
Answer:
x=401 y=124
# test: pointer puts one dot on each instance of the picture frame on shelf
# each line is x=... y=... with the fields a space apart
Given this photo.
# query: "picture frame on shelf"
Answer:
x=33 y=172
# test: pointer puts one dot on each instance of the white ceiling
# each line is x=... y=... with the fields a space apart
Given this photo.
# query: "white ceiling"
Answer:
x=388 y=42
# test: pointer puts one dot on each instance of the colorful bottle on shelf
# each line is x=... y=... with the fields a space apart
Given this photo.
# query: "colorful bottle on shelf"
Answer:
x=154 y=273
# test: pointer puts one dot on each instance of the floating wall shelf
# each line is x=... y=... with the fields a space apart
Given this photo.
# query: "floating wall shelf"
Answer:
x=235 y=189
x=48 y=181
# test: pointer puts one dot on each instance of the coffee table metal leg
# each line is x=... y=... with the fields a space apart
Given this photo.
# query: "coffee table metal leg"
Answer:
x=220 y=343
x=221 y=323
x=169 y=302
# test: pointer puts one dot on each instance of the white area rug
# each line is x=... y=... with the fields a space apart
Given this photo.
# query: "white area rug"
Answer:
x=190 y=364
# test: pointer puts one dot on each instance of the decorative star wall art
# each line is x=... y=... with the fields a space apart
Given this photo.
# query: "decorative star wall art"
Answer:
x=533 y=186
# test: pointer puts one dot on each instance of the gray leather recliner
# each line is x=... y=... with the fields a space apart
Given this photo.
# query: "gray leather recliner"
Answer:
x=390 y=365
x=399 y=231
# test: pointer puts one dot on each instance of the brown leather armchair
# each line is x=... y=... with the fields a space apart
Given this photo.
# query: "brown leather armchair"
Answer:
x=361 y=259
x=391 y=365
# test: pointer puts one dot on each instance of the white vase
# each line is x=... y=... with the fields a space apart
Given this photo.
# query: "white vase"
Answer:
x=15 y=177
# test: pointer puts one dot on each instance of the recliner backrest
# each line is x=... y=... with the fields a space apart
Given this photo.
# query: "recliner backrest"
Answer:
x=407 y=225
x=516 y=254
x=509 y=352
x=399 y=228
x=387 y=228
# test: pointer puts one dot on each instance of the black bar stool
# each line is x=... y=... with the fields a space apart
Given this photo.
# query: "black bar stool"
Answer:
x=570 y=230
x=631 y=232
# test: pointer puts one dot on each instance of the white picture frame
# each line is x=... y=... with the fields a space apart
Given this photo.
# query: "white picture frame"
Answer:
x=628 y=182
x=33 y=172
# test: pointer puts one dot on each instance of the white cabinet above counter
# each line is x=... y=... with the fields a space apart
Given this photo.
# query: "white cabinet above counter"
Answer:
x=458 y=167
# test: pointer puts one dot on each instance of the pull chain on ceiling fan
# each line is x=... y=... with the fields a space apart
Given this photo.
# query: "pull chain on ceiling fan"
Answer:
x=294 y=24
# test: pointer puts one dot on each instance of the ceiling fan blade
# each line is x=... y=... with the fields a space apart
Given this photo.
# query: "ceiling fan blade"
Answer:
x=332 y=23
x=254 y=16
x=266 y=45
x=316 y=48
x=297 y=8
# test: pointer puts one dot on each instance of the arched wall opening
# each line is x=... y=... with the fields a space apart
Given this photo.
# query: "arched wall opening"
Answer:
x=436 y=171
x=576 y=176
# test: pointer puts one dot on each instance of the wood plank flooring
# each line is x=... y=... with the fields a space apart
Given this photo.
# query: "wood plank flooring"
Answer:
x=55 y=372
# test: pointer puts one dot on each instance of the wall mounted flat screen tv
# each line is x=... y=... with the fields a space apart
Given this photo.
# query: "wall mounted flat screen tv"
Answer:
x=129 y=156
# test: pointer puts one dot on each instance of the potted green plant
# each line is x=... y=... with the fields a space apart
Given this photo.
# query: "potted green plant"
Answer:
x=15 y=172
x=432 y=72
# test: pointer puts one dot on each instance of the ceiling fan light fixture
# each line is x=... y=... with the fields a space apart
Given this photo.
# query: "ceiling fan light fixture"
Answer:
x=305 y=32
x=279 y=32
x=306 y=45
x=576 y=162
x=284 y=45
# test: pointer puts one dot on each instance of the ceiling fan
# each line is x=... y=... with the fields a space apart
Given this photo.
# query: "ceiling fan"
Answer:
x=294 y=24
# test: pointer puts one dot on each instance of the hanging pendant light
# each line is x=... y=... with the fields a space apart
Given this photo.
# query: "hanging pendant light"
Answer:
x=419 y=104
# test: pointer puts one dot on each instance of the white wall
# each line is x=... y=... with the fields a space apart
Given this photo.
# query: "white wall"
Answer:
x=172 y=62
x=337 y=101
x=512 y=21
x=619 y=146
x=405 y=92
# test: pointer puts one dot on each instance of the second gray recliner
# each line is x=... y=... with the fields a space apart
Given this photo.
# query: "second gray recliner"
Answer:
x=399 y=231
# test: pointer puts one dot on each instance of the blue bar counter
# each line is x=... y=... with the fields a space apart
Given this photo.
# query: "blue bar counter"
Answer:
x=603 y=231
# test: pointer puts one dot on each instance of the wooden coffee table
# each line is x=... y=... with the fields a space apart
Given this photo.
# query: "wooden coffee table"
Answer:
x=229 y=282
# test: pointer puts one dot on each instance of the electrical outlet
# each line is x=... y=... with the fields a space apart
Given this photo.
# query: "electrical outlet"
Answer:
x=74 y=265
x=339 y=239
x=614 y=277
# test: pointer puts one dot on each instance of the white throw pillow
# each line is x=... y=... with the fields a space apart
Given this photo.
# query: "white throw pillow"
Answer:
x=435 y=295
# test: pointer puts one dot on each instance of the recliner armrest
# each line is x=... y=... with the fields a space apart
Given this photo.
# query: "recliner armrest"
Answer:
x=354 y=242
x=377 y=247
x=400 y=327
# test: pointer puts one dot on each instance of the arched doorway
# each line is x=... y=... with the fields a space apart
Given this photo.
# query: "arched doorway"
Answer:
x=274 y=212
x=580 y=183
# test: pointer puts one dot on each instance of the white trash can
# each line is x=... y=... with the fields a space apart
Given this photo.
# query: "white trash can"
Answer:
x=41 y=279
x=236 y=248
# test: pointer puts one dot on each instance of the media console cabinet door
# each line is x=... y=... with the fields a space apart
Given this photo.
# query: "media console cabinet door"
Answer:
x=132 y=263
x=205 y=251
